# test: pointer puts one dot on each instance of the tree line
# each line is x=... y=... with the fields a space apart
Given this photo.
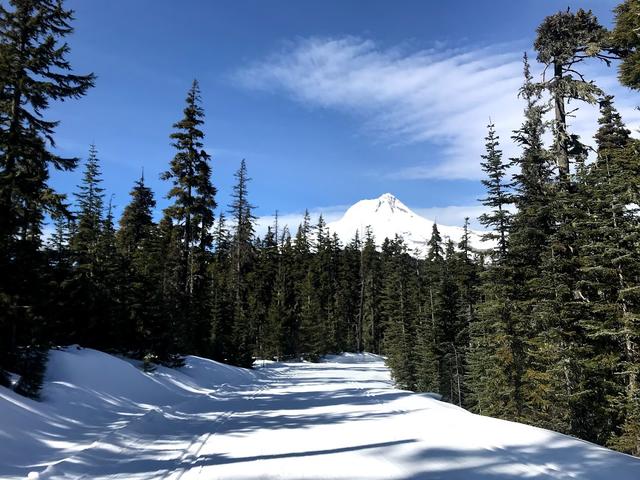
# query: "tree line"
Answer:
x=542 y=328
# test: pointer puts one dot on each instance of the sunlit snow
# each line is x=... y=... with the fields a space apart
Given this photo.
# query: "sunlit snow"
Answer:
x=103 y=417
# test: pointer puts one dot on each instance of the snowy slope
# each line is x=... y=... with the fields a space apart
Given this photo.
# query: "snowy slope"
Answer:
x=388 y=216
x=103 y=418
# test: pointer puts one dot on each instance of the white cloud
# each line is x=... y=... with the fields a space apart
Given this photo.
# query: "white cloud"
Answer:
x=440 y=95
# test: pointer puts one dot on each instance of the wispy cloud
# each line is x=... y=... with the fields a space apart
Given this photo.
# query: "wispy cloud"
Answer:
x=440 y=95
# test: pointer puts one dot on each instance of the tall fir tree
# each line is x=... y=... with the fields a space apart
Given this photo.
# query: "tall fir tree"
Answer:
x=86 y=248
x=370 y=291
x=624 y=42
x=221 y=294
x=564 y=40
x=243 y=262
x=34 y=71
x=192 y=211
x=136 y=242
x=495 y=360
x=498 y=197
x=397 y=312
x=609 y=281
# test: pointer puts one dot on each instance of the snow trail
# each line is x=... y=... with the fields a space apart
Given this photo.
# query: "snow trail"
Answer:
x=340 y=419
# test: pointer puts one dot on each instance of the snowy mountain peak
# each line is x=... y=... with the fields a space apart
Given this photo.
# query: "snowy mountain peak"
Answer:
x=387 y=217
x=386 y=205
x=389 y=203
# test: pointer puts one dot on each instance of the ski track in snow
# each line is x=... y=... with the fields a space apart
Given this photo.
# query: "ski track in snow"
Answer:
x=103 y=418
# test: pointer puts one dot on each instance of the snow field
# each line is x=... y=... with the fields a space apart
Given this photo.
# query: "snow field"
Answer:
x=102 y=417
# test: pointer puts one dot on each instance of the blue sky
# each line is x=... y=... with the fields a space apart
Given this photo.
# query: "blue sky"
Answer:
x=329 y=101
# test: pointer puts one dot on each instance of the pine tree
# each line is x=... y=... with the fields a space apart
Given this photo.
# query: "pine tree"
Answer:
x=435 y=252
x=533 y=223
x=498 y=197
x=319 y=326
x=192 y=211
x=625 y=43
x=89 y=216
x=348 y=295
x=610 y=268
x=169 y=258
x=85 y=246
x=34 y=72
x=277 y=292
x=263 y=279
x=301 y=256
x=114 y=328
x=221 y=295
x=285 y=296
x=370 y=291
x=136 y=222
x=136 y=243
x=562 y=41
x=559 y=390
x=243 y=259
x=450 y=330
x=397 y=311
x=495 y=357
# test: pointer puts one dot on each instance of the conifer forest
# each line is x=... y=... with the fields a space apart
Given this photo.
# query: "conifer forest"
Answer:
x=541 y=327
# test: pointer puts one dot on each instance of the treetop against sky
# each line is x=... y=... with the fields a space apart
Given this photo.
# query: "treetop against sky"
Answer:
x=329 y=102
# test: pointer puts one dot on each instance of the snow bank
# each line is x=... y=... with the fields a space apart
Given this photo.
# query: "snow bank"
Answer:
x=350 y=358
x=87 y=394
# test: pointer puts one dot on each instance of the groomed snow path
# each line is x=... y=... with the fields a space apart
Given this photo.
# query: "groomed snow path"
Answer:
x=337 y=419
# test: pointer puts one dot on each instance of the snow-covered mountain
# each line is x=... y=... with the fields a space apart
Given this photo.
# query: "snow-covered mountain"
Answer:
x=388 y=216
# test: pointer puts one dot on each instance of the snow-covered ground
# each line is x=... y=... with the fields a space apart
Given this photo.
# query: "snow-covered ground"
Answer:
x=102 y=417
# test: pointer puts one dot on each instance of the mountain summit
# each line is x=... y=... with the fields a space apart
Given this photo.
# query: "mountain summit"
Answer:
x=388 y=216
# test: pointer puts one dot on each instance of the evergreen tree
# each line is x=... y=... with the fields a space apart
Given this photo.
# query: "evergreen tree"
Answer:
x=136 y=223
x=301 y=256
x=348 y=295
x=495 y=357
x=435 y=252
x=221 y=295
x=397 y=312
x=562 y=41
x=285 y=295
x=279 y=290
x=370 y=291
x=624 y=42
x=610 y=268
x=243 y=258
x=450 y=330
x=34 y=71
x=498 y=197
x=85 y=246
x=169 y=258
x=263 y=279
x=114 y=327
x=319 y=326
x=135 y=240
x=192 y=211
x=90 y=211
